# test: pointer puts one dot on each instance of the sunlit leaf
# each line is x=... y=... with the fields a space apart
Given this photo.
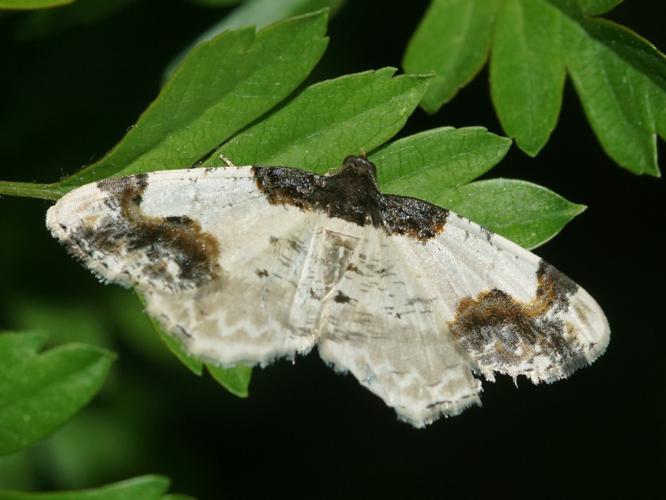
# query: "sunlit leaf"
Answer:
x=424 y=164
x=328 y=121
x=452 y=42
x=521 y=211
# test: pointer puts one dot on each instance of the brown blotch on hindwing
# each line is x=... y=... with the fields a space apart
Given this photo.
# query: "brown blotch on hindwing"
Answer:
x=501 y=332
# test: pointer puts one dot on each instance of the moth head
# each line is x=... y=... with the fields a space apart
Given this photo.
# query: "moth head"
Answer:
x=359 y=165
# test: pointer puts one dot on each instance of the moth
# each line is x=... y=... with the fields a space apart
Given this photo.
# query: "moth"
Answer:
x=249 y=264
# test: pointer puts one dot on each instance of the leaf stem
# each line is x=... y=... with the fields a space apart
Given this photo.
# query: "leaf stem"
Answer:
x=29 y=190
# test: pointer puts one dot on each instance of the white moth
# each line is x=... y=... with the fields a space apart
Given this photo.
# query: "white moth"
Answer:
x=249 y=264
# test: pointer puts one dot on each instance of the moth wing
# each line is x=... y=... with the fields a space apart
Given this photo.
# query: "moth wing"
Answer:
x=219 y=266
x=381 y=322
x=510 y=310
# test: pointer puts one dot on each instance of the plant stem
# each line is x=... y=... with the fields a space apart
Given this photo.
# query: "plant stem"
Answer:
x=29 y=190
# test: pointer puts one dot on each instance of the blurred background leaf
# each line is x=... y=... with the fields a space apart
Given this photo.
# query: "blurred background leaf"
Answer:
x=32 y=4
x=216 y=3
x=258 y=13
x=139 y=488
x=39 y=392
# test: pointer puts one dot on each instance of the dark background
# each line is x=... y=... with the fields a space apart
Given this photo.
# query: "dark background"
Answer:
x=306 y=431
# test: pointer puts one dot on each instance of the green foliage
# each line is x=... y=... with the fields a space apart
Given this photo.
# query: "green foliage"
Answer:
x=425 y=163
x=328 y=121
x=259 y=13
x=236 y=380
x=139 y=488
x=598 y=7
x=451 y=42
x=221 y=87
x=40 y=392
x=431 y=166
x=524 y=212
x=620 y=77
x=32 y=4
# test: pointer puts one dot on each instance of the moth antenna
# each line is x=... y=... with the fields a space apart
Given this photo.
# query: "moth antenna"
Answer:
x=226 y=160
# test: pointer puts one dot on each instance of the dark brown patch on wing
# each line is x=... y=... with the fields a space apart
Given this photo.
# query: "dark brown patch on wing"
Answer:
x=163 y=239
x=341 y=298
x=502 y=333
x=351 y=194
x=412 y=217
x=262 y=273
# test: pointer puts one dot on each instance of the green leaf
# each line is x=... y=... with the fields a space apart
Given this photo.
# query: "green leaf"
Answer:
x=257 y=13
x=328 y=121
x=621 y=81
x=597 y=7
x=39 y=392
x=139 y=488
x=66 y=321
x=192 y=363
x=451 y=41
x=222 y=86
x=235 y=379
x=32 y=4
x=620 y=77
x=521 y=211
x=424 y=164
x=527 y=72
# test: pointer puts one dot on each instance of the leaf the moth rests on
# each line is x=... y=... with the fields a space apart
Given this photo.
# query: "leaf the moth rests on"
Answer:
x=222 y=86
x=40 y=391
x=328 y=121
x=524 y=212
x=423 y=164
x=235 y=379
x=192 y=364
x=451 y=41
x=527 y=72
x=138 y=488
